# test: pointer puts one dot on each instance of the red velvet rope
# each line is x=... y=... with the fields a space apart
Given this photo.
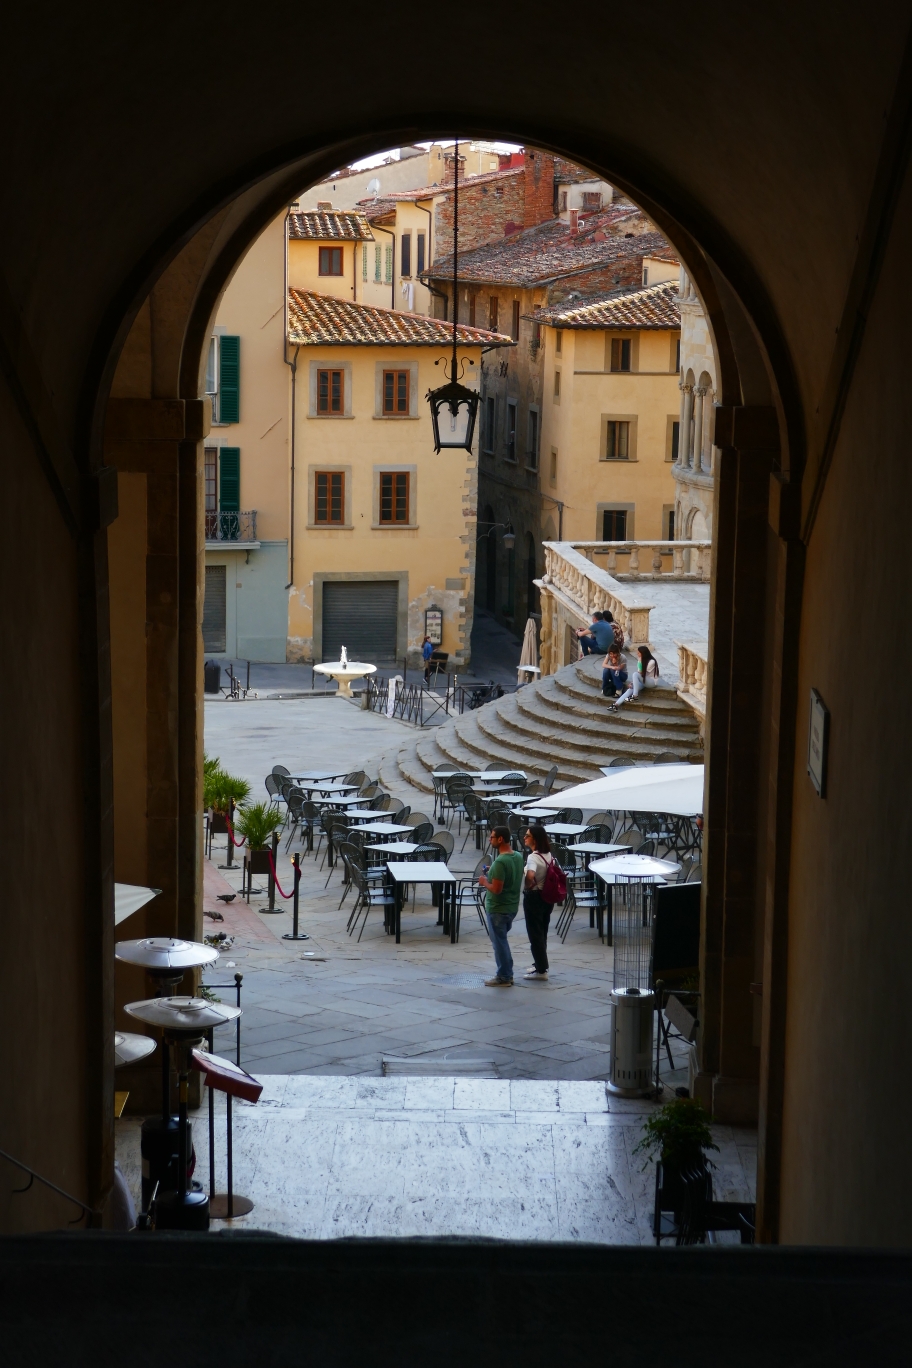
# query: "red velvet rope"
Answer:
x=276 y=877
x=231 y=834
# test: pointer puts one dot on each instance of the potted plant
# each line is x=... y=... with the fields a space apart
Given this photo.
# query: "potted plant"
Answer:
x=256 y=822
x=221 y=793
x=678 y=1137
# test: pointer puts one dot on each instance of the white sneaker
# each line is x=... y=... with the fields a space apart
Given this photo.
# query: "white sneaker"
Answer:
x=534 y=973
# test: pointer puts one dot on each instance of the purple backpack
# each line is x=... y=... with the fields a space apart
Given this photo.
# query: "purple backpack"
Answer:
x=554 y=889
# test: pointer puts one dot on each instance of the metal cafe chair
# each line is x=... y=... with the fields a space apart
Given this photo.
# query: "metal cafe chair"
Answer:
x=369 y=895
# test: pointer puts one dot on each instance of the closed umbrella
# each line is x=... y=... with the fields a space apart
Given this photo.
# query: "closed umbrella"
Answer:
x=528 y=658
x=675 y=789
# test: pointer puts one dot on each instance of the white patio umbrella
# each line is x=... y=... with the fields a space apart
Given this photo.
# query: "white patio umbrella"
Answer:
x=529 y=654
x=676 y=789
x=129 y=898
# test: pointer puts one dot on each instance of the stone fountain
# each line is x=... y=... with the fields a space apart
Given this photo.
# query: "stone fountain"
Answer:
x=344 y=671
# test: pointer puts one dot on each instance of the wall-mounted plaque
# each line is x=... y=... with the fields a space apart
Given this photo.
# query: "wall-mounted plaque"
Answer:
x=433 y=625
x=818 y=742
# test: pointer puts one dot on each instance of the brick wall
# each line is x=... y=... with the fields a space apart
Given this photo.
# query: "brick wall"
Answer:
x=539 y=187
x=611 y=276
x=484 y=213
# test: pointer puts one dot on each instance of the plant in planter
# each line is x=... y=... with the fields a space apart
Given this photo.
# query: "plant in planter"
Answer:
x=220 y=790
x=257 y=822
x=679 y=1138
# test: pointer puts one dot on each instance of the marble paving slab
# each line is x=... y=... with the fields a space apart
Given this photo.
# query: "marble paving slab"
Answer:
x=336 y=1157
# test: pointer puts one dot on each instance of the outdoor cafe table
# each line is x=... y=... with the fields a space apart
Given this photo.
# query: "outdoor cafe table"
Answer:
x=394 y=847
x=385 y=828
x=318 y=776
x=531 y=812
x=405 y=872
x=596 y=848
x=630 y=868
x=492 y=776
x=566 y=828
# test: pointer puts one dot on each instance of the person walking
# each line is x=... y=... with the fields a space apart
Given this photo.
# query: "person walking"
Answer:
x=614 y=672
x=503 y=885
x=427 y=650
x=537 y=911
x=599 y=636
x=645 y=676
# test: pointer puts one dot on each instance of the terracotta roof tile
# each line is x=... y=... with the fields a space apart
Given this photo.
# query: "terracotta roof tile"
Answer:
x=329 y=225
x=549 y=251
x=444 y=187
x=321 y=320
x=656 y=306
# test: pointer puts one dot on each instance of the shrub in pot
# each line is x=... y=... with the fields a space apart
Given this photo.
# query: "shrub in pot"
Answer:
x=256 y=822
x=679 y=1138
x=220 y=791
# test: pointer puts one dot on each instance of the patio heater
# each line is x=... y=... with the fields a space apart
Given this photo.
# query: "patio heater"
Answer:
x=184 y=1022
x=166 y=960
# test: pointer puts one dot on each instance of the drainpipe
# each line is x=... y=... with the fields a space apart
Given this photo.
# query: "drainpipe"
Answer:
x=294 y=371
x=377 y=229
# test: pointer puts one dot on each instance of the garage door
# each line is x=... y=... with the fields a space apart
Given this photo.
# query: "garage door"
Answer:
x=214 y=609
x=362 y=617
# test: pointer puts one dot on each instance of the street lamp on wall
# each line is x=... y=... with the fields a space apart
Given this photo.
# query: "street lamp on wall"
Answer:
x=509 y=536
x=454 y=407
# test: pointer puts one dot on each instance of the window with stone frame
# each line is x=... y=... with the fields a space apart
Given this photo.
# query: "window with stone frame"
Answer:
x=329 y=497
x=330 y=261
x=620 y=353
x=511 y=430
x=330 y=391
x=394 y=497
x=396 y=393
x=617 y=440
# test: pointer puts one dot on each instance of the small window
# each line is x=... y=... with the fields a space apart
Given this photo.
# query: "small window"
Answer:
x=490 y=413
x=554 y=465
x=557 y=376
x=472 y=299
x=377 y=260
x=558 y=341
x=394 y=497
x=492 y=313
x=675 y=438
x=329 y=503
x=645 y=275
x=614 y=524
x=211 y=455
x=563 y=201
x=511 y=430
x=671 y=526
x=406 y=249
x=515 y=328
x=330 y=391
x=396 y=392
x=532 y=453
x=592 y=199
x=678 y=356
x=617 y=444
x=331 y=261
x=620 y=353
x=212 y=376
x=421 y=242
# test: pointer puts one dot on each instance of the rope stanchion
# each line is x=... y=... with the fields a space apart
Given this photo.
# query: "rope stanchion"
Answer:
x=295 y=934
x=276 y=878
x=237 y=844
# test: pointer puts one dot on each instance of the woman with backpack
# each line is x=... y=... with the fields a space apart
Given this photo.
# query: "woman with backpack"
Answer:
x=545 y=886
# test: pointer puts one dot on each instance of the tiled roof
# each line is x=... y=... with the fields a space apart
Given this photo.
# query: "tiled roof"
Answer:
x=330 y=225
x=538 y=255
x=320 y=320
x=444 y=187
x=655 y=306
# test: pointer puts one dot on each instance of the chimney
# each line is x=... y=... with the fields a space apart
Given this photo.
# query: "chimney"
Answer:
x=538 y=168
x=574 y=222
x=449 y=161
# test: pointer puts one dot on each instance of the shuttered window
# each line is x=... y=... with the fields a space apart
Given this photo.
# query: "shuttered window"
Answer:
x=229 y=395
x=394 y=496
x=396 y=392
x=330 y=391
x=329 y=496
x=420 y=266
x=214 y=615
x=406 y=254
x=230 y=479
x=389 y=265
x=211 y=456
x=515 y=329
x=364 y=262
x=617 y=441
x=620 y=353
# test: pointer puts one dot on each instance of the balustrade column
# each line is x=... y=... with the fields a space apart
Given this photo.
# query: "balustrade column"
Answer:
x=706 y=438
x=696 y=459
x=684 y=430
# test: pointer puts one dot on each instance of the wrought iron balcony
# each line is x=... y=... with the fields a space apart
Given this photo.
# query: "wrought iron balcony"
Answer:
x=231 y=527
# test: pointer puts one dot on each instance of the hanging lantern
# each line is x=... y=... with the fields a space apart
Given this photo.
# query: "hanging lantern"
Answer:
x=454 y=407
x=509 y=538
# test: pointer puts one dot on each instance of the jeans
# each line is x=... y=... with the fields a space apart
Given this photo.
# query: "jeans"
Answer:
x=499 y=924
x=612 y=680
x=589 y=644
x=538 y=915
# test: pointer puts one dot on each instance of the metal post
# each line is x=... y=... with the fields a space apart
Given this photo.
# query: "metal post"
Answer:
x=659 y=991
x=229 y=823
x=238 y=980
x=275 y=847
x=230 y=1159
x=182 y=1151
x=295 y=934
x=211 y=1125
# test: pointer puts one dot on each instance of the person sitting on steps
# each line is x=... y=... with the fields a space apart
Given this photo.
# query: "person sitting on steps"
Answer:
x=599 y=636
x=645 y=676
x=614 y=672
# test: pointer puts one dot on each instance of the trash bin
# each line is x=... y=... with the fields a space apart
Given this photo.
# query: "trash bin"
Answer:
x=212 y=677
x=630 y=1037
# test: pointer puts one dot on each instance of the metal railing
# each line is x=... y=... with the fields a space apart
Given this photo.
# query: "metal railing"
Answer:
x=231 y=527
x=419 y=705
x=46 y=1182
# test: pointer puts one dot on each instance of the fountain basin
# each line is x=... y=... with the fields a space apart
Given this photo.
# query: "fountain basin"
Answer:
x=345 y=672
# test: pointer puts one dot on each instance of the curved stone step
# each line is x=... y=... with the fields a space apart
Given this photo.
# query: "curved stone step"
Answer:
x=577 y=720
x=566 y=752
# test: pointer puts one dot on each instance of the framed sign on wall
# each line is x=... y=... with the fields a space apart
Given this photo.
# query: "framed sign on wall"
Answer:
x=433 y=624
x=818 y=742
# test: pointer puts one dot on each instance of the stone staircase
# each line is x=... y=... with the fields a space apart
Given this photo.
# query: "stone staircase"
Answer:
x=561 y=720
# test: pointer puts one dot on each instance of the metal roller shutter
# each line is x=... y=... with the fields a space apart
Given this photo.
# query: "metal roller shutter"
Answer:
x=362 y=616
x=214 y=617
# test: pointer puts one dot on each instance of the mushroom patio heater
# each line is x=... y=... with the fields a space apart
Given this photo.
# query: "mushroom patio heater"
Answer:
x=184 y=1022
x=166 y=960
x=454 y=407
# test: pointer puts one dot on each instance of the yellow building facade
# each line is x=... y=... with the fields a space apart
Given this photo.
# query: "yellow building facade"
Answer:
x=330 y=519
x=610 y=416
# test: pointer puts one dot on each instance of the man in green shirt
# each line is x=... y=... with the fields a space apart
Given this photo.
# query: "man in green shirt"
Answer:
x=503 y=883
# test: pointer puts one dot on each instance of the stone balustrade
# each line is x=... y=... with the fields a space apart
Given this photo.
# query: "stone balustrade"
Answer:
x=572 y=588
x=650 y=560
x=693 y=667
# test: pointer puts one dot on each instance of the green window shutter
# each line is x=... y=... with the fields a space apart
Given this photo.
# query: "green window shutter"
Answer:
x=389 y=265
x=364 y=263
x=230 y=479
x=229 y=379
